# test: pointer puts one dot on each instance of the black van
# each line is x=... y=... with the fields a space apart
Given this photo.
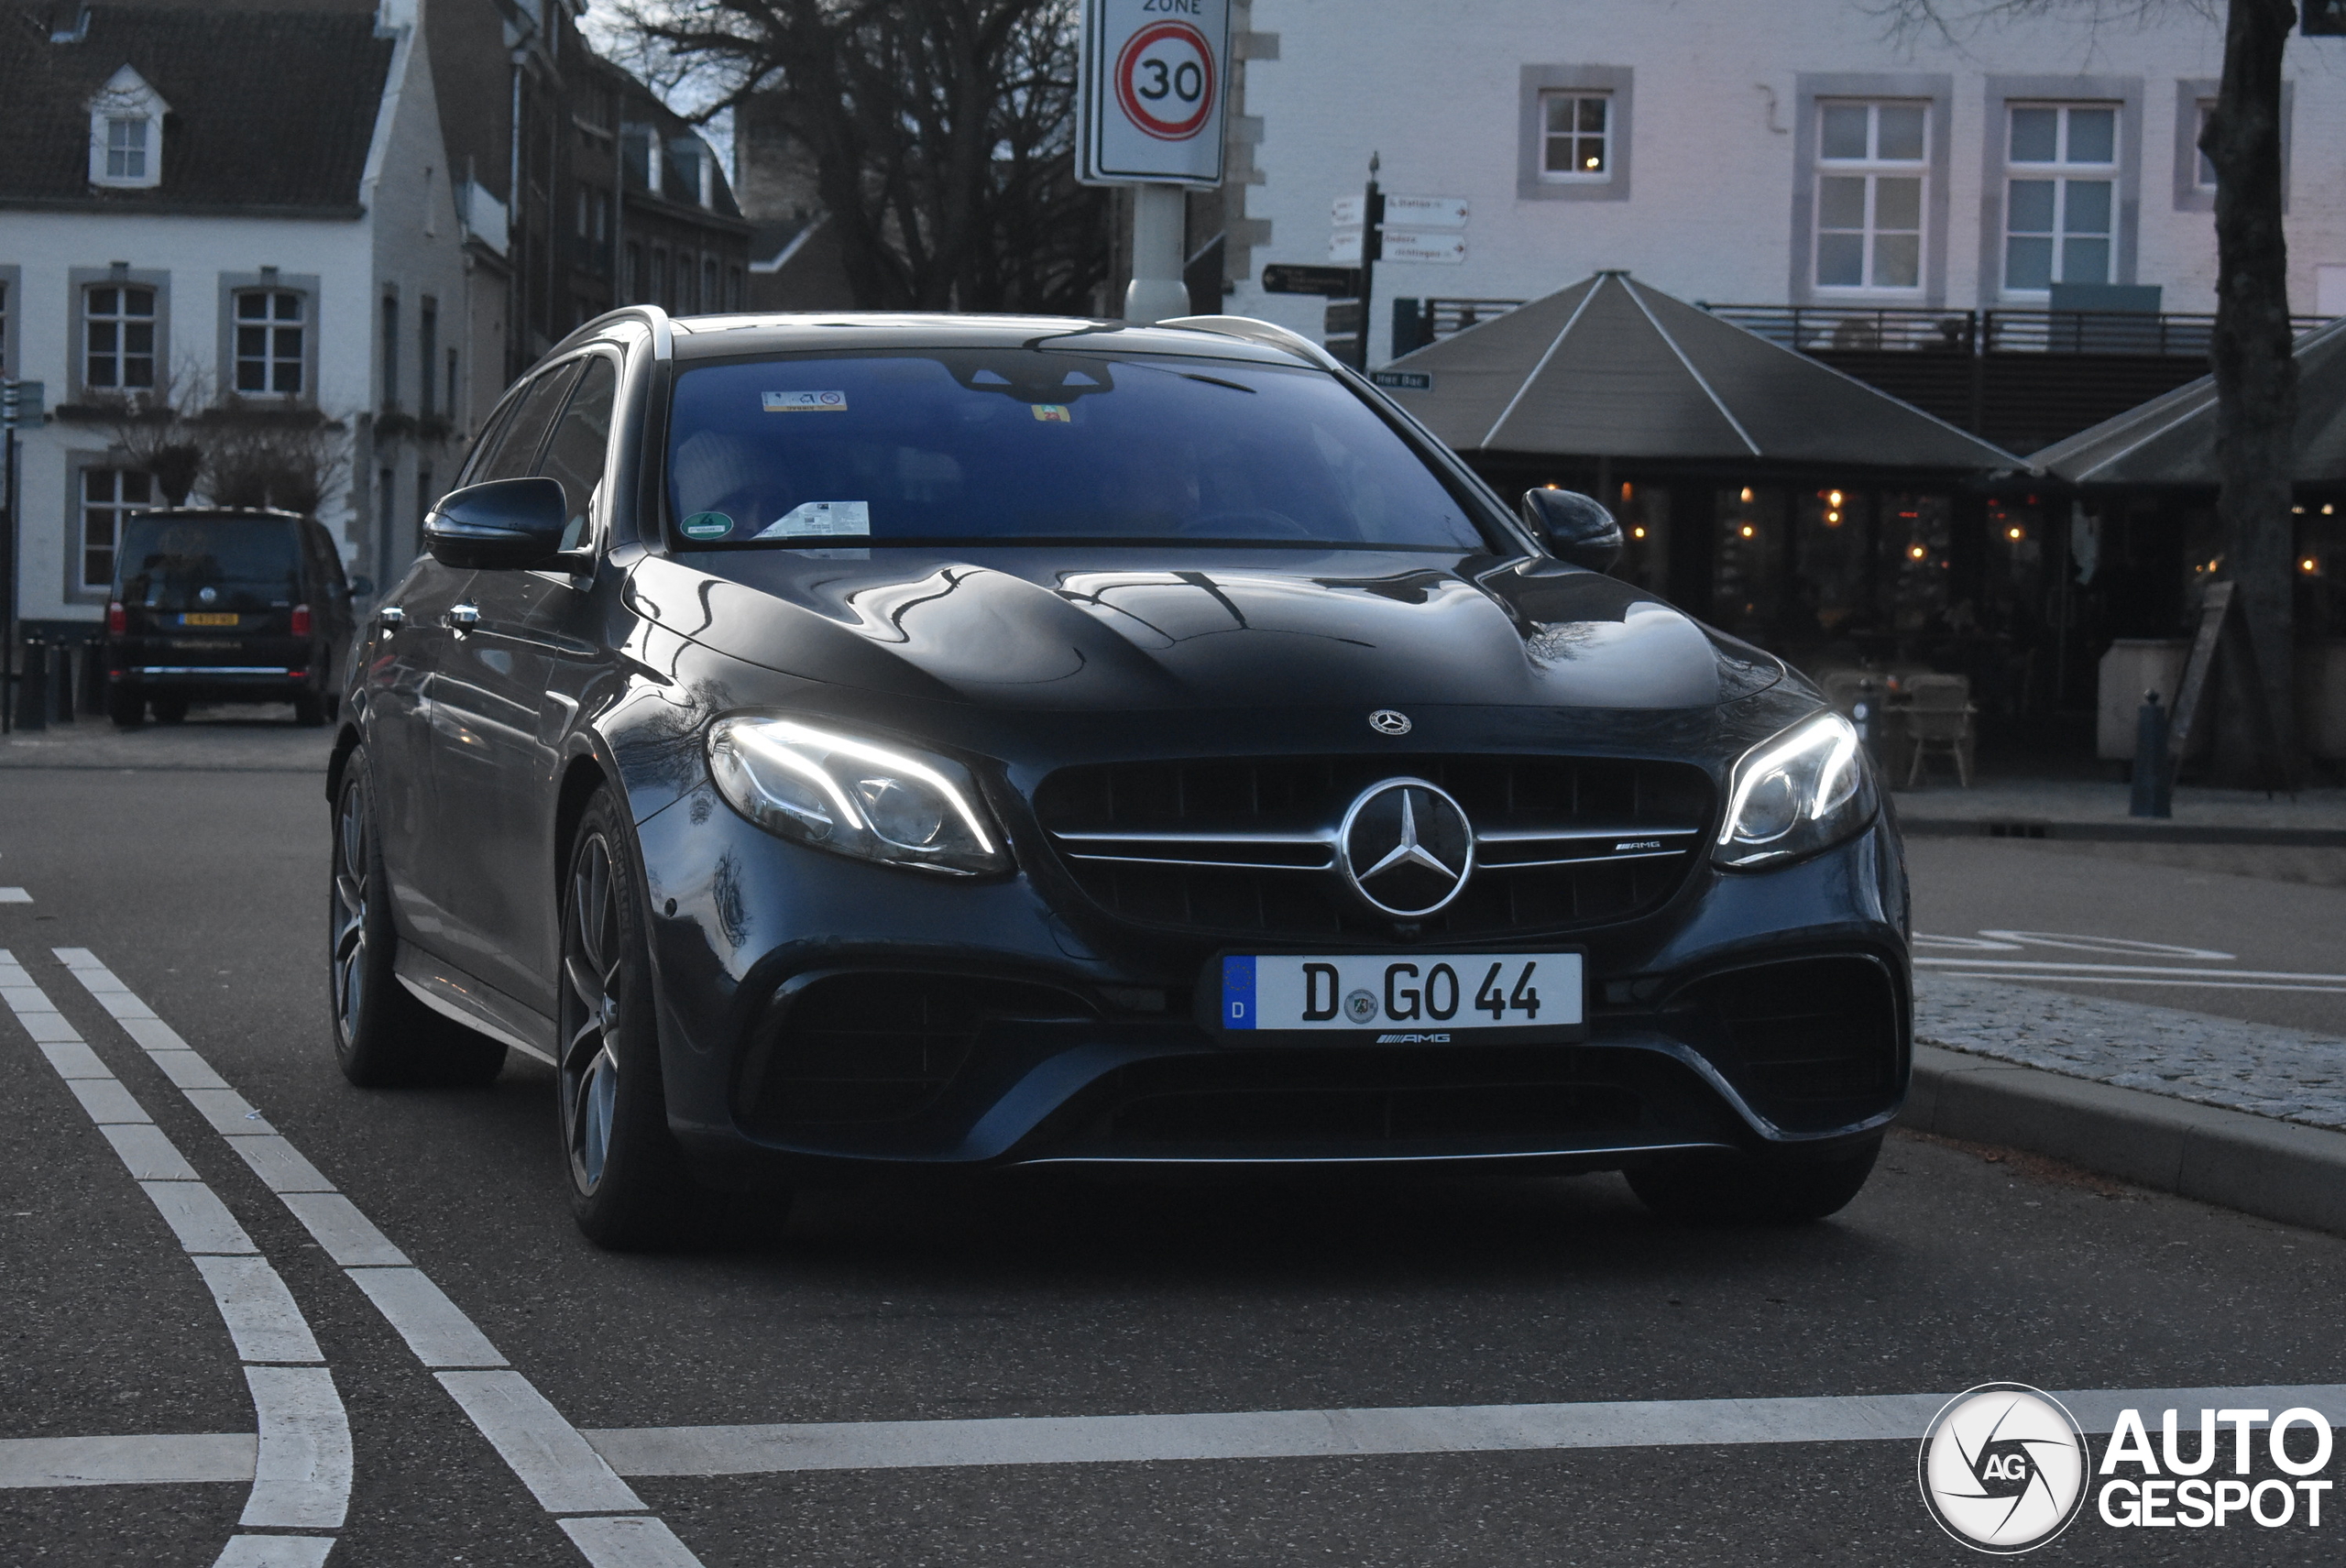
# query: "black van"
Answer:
x=224 y=605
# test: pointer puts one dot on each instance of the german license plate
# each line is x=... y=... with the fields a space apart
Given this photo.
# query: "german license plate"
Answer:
x=207 y=619
x=1418 y=998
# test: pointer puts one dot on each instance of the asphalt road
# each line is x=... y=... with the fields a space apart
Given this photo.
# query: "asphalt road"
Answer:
x=201 y=892
x=2207 y=935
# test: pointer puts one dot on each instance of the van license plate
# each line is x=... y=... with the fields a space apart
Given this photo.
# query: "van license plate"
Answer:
x=207 y=619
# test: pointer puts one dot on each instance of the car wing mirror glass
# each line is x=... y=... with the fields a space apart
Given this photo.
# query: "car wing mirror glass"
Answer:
x=1575 y=527
x=360 y=586
x=504 y=524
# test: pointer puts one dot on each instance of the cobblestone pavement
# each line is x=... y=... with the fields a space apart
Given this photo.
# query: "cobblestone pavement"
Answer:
x=2289 y=1074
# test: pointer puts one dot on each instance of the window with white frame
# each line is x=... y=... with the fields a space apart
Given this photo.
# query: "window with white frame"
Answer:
x=1872 y=160
x=118 y=338
x=2060 y=195
x=1576 y=131
x=108 y=495
x=272 y=325
x=126 y=133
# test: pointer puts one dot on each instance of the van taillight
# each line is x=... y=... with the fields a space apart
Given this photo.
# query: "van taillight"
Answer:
x=118 y=619
x=300 y=621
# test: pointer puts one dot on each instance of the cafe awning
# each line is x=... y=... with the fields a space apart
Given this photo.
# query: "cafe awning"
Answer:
x=2171 y=441
x=1612 y=369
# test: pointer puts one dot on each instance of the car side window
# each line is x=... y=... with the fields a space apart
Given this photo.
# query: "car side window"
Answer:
x=525 y=433
x=581 y=445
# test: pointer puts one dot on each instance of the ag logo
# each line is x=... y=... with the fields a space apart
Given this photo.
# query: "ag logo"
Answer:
x=2003 y=1469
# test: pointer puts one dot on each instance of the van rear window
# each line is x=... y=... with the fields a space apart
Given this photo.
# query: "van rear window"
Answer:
x=245 y=564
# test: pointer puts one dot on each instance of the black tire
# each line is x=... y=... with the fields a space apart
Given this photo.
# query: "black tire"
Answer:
x=629 y=1188
x=308 y=709
x=1739 y=1190
x=171 y=710
x=128 y=709
x=383 y=1037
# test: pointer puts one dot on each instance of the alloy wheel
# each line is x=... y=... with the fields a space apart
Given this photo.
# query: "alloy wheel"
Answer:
x=352 y=853
x=591 y=949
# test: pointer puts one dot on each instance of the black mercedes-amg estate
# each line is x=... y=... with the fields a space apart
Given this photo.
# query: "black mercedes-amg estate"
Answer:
x=862 y=741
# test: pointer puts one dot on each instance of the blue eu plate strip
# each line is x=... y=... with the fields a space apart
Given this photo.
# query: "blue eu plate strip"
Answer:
x=1238 y=992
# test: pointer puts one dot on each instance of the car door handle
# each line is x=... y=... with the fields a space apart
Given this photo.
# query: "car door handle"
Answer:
x=391 y=615
x=461 y=617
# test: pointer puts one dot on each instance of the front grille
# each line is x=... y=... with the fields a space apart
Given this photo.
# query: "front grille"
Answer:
x=1342 y=1103
x=879 y=1046
x=1248 y=848
x=1813 y=1043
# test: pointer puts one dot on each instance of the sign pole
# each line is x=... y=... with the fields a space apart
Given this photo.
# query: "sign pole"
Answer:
x=8 y=565
x=1152 y=76
x=1372 y=247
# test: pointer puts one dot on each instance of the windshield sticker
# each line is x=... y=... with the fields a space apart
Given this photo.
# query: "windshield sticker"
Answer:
x=821 y=520
x=804 y=402
x=1053 y=413
x=707 y=525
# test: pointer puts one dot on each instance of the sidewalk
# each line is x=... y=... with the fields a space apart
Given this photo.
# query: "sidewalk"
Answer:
x=2244 y=1115
x=2090 y=808
x=239 y=740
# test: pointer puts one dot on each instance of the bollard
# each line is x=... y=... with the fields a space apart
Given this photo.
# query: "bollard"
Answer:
x=61 y=684
x=2154 y=780
x=32 y=687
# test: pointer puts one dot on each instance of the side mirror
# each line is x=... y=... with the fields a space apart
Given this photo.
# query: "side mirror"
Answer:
x=502 y=525
x=1575 y=527
x=361 y=587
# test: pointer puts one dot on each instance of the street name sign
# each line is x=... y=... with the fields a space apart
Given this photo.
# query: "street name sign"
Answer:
x=1152 y=77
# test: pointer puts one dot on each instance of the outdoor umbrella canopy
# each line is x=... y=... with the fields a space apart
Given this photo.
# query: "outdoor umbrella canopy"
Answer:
x=2171 y=440
x=1609 y=368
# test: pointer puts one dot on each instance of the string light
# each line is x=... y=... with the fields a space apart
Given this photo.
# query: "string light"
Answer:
x=1916 y=551
x=1748 y=530
x=1831 y=520
x=1636 y=534
x=2308 y=564
x=1832 y=498
x=2011 y=534
x=1746 y=496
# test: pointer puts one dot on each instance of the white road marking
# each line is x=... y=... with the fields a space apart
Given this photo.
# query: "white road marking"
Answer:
x=280 y=1166
x=1319 y=1434
x=141 y=1461
x=150 y=1156
x=2123 y=979
x=259 y=1309
x=348 y=1236
x=274 y=1551
x=107 y=1101
x=198 y=1218
x=2055 y=966
x=633 y=1541
x=302 y=1473
x=553 y=1460
x=231 y=1115
x=434 y=1327
x=549 y=1456
x=186 y=1071
x=73 y=1059
x=15 y=895
x=299 y=1462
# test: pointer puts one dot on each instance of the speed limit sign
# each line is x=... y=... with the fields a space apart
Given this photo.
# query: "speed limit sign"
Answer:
x=1153 y=74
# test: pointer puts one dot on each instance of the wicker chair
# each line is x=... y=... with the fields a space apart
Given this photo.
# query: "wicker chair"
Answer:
x=1938 y=714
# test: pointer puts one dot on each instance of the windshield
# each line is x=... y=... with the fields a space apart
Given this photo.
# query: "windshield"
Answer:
x=224 y=564
x=1019 y=445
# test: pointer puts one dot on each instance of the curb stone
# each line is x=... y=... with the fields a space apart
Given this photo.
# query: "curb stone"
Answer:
x=2274 y=1170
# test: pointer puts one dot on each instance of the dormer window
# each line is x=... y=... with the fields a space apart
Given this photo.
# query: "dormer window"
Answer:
x=126 y=133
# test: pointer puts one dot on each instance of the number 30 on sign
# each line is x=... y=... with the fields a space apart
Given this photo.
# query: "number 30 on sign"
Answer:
x=1150 y=101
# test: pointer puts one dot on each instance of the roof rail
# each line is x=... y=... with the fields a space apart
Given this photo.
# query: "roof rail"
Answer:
x=1269 y=334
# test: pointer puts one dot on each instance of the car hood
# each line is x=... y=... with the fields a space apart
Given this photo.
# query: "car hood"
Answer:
x=1116 y=631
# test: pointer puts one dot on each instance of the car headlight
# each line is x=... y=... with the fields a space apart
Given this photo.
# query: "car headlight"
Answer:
x=853 y=796
x=1796 y=792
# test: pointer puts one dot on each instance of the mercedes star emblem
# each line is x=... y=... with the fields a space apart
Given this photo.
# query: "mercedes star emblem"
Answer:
x=1386 y=721
x=1406 y=848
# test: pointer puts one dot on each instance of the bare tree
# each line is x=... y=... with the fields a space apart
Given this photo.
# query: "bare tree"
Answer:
x=2250 y=350
x=941 y=133
x=292 y=459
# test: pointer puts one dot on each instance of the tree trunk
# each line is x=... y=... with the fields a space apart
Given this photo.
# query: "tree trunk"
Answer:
x=2256 y=378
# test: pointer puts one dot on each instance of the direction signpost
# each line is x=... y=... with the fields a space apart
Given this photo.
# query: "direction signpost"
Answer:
x=1151 y=80
x=1373 y=227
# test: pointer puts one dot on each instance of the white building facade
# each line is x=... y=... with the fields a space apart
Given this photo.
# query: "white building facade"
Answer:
x=280 y=241
x=1792 y=154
